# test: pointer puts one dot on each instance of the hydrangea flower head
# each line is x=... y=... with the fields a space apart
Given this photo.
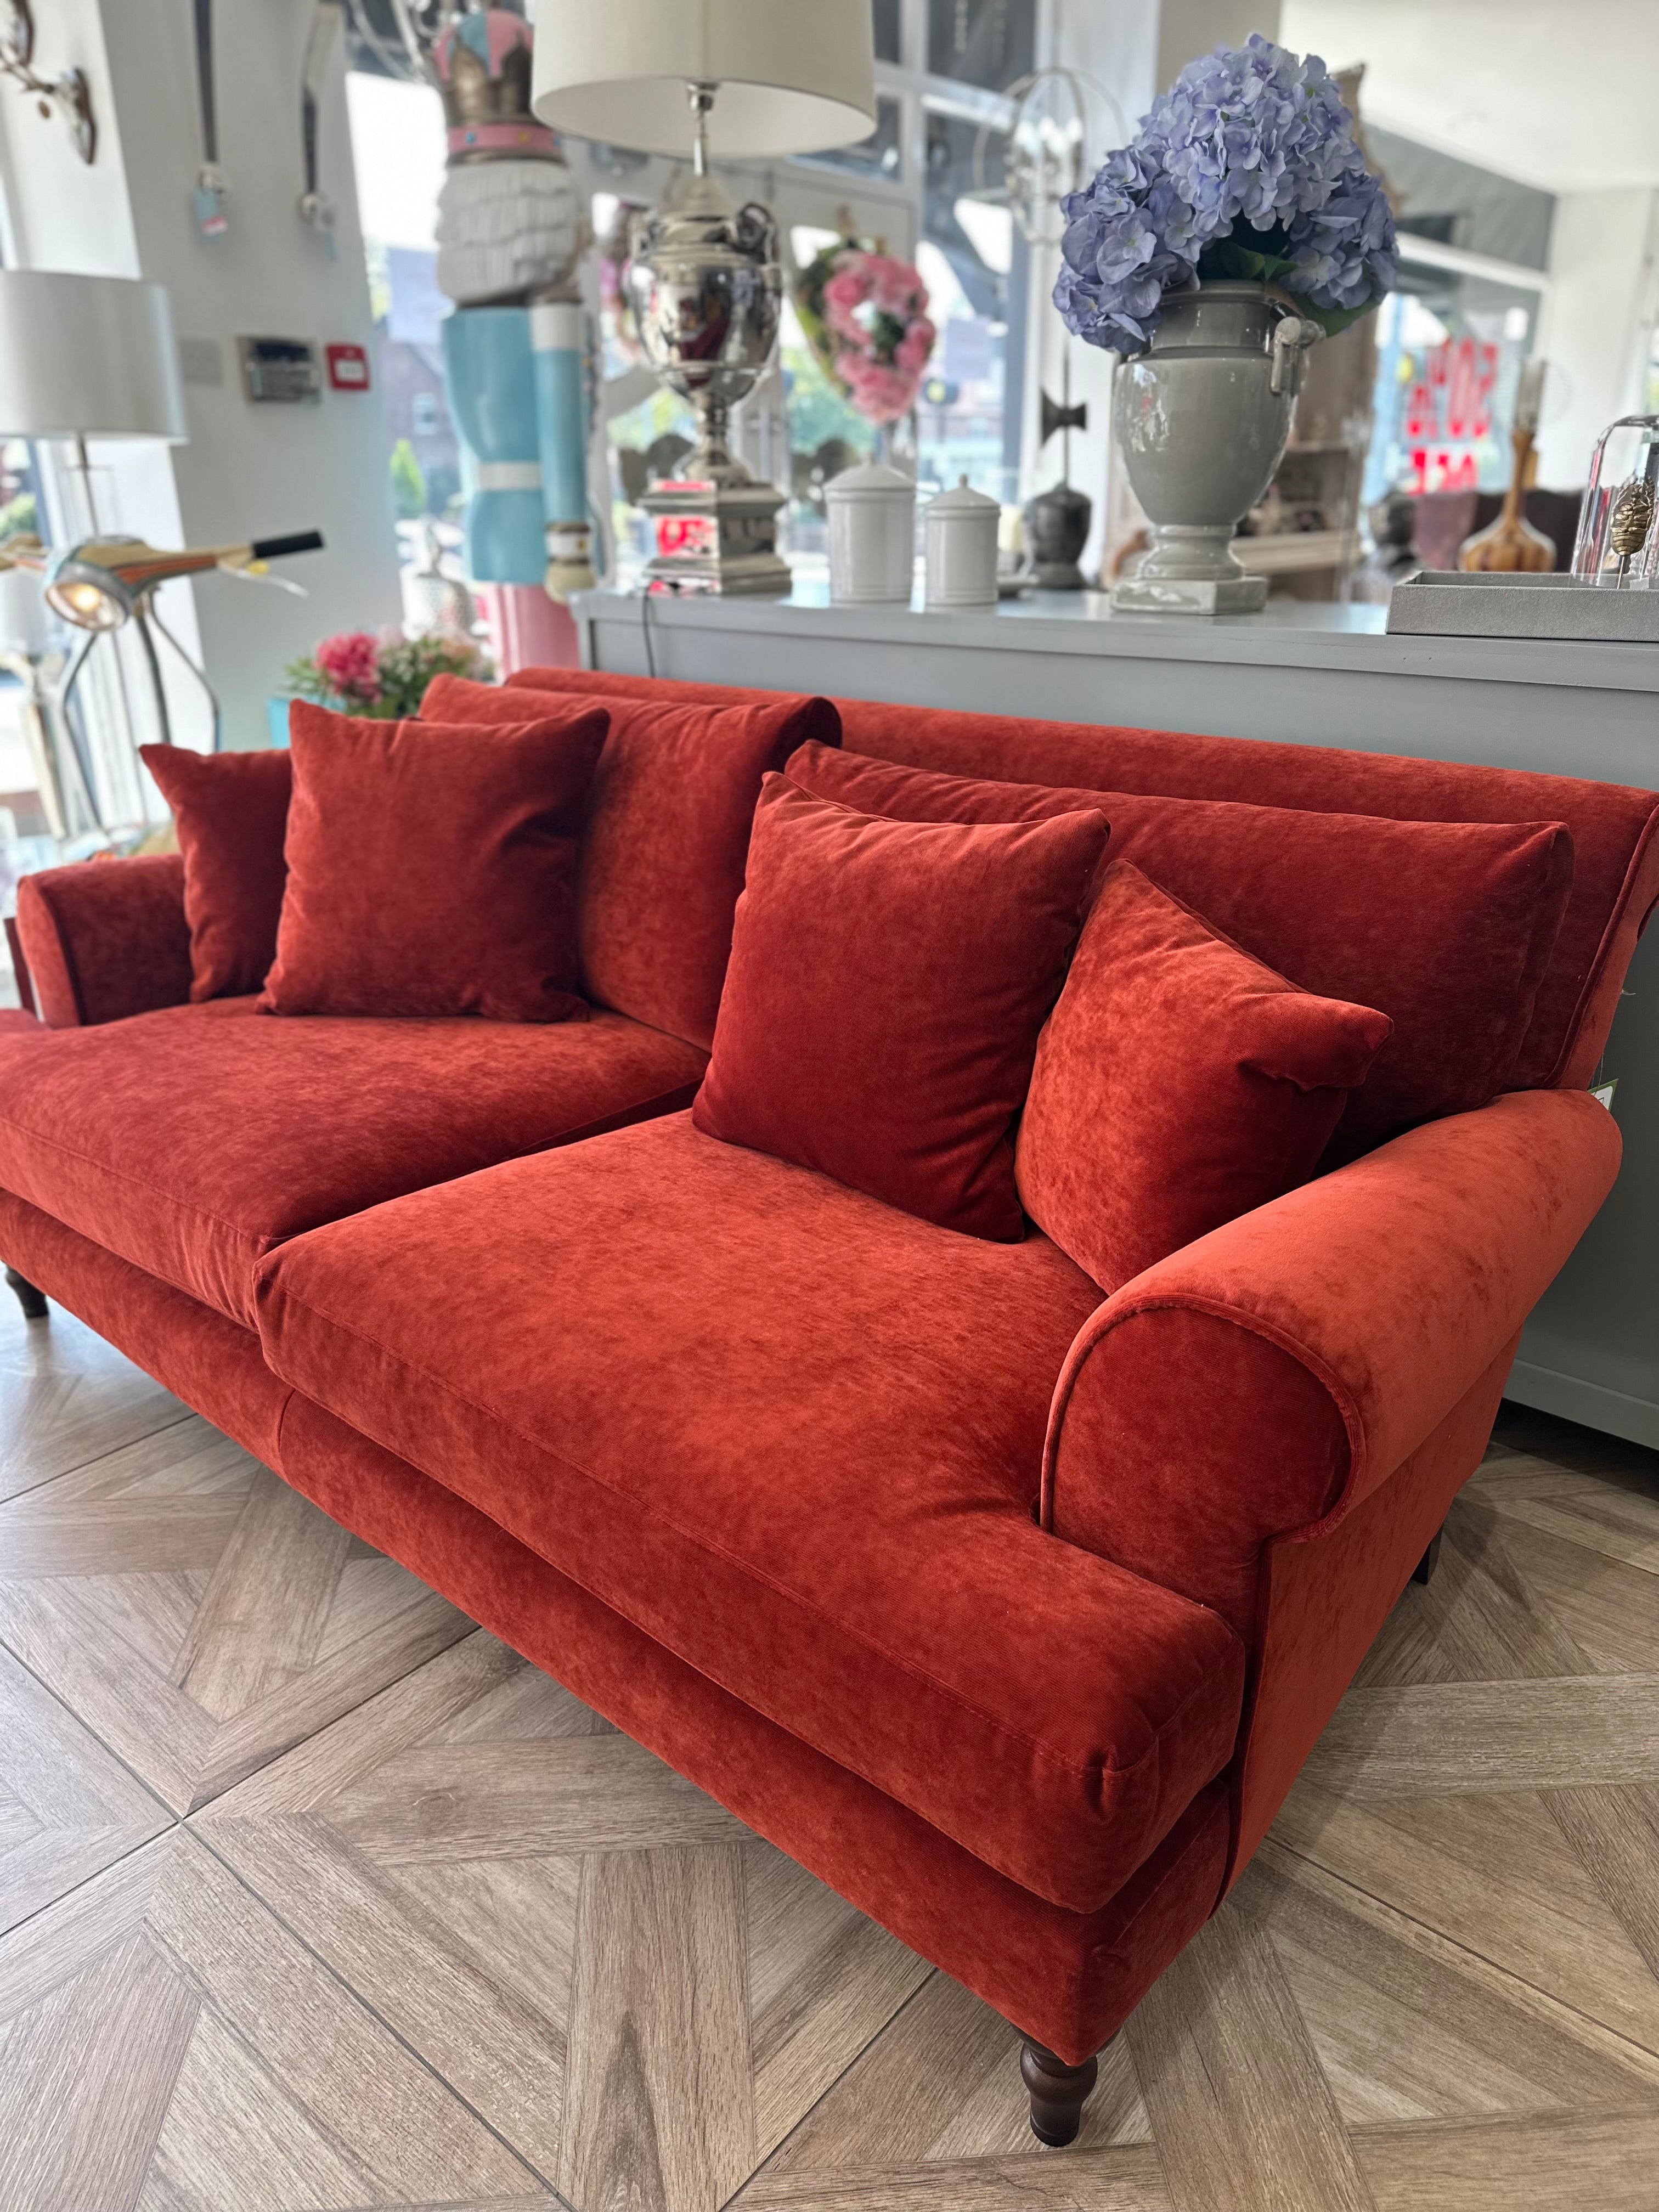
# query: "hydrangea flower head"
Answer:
x=1249 y=159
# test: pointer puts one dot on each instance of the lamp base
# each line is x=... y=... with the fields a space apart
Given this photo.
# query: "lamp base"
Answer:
x=716 y=536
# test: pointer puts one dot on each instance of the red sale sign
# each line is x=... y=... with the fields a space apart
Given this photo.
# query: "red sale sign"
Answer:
x=1448 y=413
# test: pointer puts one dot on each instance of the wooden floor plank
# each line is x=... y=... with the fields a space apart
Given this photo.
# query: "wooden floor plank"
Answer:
x=1242 y=2111
x=165 y=2039
x=168 y=1595
x=1452 y=1738
x=68 y=1810
x=1619 y=1518
x=1498 y=2015
x=659 y=2094
x=1614 y=1834
x=66 y=1398
x=1129 y=2179
x=1570 y=2162
x=1488 y=1622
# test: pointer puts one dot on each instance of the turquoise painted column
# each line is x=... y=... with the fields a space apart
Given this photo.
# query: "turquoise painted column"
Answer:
x=491 y=381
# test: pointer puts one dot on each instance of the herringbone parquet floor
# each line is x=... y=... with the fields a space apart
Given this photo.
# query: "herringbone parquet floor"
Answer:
x=315 y=1899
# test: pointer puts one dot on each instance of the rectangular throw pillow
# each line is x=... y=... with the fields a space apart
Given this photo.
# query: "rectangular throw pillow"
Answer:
x=1178 y=1084
x=430 y=874
x=887 y=984
x=1445 y=927
x=230 y=811
x=667 y=832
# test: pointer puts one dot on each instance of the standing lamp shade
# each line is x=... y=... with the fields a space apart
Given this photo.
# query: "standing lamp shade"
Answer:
x=794 y=76
x=88 y=358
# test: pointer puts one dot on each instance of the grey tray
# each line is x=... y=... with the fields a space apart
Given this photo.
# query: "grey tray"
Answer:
x=1446 y=603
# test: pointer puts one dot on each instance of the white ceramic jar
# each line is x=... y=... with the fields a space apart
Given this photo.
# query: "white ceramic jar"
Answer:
x=961 y=529
x=872 y=536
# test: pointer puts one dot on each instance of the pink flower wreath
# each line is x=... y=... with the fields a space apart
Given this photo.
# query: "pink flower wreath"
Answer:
x=875 y=314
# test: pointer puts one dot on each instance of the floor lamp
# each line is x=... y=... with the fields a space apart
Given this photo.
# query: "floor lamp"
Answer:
x=85 y=358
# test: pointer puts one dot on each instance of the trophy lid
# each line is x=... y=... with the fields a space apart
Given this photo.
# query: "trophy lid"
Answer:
x=483 y=60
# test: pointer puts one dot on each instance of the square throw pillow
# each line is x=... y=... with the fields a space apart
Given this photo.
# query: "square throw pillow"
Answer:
x=1445 y=926
x=887 y=985
x=1178 y=1084
x=667 y=832
x=428 y=873
x=231 y=813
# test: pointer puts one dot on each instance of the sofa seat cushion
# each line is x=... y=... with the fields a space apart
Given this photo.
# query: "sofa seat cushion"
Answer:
x=796 y=1436
x=192 y=1139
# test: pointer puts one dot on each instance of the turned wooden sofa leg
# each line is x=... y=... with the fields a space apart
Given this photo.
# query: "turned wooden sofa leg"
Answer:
x=1425 y=1565
x=32 y=1301
x=1058 y=2093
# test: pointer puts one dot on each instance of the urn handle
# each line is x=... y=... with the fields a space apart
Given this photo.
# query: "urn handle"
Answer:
x=1293 y=335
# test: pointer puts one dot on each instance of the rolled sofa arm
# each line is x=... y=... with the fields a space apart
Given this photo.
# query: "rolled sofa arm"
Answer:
x=1266 y=1378
x=105 y=938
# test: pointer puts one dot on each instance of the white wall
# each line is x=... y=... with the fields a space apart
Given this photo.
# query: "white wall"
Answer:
x=248 y=471
x=1596 y=323
x=1187 y=28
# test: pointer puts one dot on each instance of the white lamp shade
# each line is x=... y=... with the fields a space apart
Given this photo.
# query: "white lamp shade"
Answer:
x=794 y=76
x=88 y=358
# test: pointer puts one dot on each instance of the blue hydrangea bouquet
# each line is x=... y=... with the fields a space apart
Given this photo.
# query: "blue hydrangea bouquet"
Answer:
x=1246 y=169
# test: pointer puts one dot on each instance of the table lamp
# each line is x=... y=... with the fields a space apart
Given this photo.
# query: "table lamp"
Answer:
x=95 y=357
x=87 y=357
x=738 y=79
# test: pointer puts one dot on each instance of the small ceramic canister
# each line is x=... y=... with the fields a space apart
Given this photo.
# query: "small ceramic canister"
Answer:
x=962 y=549
x=872 y=536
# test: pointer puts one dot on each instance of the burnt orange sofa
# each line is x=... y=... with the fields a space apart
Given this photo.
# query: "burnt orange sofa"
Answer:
x=1009 y=1610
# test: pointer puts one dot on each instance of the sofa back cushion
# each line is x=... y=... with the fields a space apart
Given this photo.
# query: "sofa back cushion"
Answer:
x=230 y=811
x=431 y=874
x=1178 y=1084
x=1445 y=927
x=888 y=983
x=667 y=834
x=1616 y=827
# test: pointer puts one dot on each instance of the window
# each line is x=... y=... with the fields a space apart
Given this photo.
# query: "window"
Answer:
x=1450 y=350
x=398 y=148
x=973 y=262
x=923 y=185
x=984 y=42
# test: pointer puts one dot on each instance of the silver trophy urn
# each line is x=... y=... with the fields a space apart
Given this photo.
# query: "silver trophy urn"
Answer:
x=707 y=292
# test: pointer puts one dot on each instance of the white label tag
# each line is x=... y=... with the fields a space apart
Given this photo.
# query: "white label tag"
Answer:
x=1602 y=1093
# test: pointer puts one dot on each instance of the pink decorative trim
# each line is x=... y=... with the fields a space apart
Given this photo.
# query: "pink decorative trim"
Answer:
x=529 y=139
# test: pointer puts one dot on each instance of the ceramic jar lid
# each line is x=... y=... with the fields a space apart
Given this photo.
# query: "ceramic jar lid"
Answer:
x=961 y=500
x=871 y=480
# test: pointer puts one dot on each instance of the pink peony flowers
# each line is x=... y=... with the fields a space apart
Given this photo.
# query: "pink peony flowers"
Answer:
x=875 y=311
x=351 y=664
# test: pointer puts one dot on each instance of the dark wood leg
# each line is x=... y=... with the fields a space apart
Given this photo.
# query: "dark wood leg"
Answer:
x=1425 y=1565
x=32 y=1301
x=1058 y=2093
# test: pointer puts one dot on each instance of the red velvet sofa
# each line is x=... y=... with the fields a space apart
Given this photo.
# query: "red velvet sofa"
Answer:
x=1010 y=1612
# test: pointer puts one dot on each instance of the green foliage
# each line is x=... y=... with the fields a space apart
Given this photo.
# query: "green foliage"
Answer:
x=1230 y=258
x=817 y=411
x=408 y=483
x=404 y=668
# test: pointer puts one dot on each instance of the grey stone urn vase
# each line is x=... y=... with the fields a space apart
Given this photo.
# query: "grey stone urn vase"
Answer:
x=1201 y=421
